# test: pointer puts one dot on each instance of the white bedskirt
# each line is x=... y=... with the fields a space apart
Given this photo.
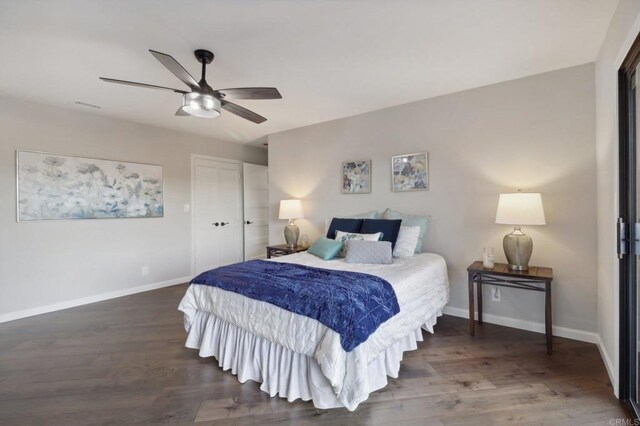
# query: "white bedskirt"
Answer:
x=281 y=371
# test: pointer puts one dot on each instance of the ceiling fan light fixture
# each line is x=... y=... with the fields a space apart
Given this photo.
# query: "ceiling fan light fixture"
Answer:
x=201 y=105
x=203 y=101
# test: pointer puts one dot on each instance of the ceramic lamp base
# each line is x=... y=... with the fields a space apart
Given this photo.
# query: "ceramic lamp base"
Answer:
x=291 y=234
x=518 y=248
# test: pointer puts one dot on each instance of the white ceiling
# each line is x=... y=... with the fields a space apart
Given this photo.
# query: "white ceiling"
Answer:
x=329 y=59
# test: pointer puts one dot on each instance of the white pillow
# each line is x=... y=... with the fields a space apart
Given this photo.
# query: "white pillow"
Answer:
x=406 y=242
x=344 y=236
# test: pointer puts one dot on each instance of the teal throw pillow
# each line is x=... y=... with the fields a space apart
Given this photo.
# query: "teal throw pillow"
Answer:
x=325 y=249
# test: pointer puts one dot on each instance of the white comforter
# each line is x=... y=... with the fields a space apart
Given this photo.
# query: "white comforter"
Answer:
x=422 y=288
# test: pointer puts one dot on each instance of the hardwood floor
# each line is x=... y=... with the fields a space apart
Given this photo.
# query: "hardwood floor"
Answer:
x=123 y=361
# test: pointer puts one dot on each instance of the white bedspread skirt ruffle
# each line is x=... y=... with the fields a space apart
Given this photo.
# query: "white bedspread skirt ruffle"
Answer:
x=280 y=370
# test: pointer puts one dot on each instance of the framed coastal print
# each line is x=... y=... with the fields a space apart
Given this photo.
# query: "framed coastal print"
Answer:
x=356 y=177
x=410 y=172
x=64 y=187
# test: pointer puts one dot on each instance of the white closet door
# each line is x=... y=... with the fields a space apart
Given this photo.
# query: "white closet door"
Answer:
x=256 y=211
x=217 y=208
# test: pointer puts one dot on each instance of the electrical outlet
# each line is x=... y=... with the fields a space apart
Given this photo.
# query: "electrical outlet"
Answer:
x=145 y=271
x=187 y=208
x=496 y=294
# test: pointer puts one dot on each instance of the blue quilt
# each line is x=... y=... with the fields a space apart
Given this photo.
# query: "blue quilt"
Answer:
x=352 y=304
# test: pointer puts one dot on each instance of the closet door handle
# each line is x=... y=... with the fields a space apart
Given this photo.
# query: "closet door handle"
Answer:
x=224 y=223
x=216 y=224
x=248 y=222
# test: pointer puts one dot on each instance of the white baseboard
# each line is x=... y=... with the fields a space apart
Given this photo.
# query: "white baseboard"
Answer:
x=608 y=363
x=569 y=333
x=11 y=316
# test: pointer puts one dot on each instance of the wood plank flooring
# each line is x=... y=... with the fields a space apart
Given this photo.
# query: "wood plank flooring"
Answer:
x=123 y=361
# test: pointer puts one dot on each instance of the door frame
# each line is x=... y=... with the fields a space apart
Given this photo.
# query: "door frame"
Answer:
x=244 y=240
x=627 y=161
x=195 y=157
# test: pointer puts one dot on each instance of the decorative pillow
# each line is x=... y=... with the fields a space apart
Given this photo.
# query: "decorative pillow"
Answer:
x=407 y=241
x=325 y=248
x=347 y=236
x=344 y=225
x=367 y=215
x=360 y=251
x=410 y=220
x=389 y=228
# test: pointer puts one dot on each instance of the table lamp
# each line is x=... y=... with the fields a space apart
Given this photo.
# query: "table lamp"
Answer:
x=291 y=209
x=517 y=209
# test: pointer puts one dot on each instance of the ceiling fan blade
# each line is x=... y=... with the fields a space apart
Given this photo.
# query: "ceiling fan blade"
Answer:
x=148 y=86
x=250 y=93
x=181 y=113
x=242 y=112
x=177 y=69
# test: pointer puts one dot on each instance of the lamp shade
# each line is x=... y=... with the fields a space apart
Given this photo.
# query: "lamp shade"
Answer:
x=290 y=209
x=520 y=208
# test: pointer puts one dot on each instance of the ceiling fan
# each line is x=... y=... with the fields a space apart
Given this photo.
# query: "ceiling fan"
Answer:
x=202 y=100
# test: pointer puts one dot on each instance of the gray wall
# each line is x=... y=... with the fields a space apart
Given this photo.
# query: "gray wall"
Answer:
x=536 y=133
x=43 y=263
x=622 y=31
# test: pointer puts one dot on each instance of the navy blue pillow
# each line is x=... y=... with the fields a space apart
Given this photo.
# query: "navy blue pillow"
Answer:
x=388 y=227
x=345 y=225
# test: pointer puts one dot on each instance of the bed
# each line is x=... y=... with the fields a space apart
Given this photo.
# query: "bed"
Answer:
x=295 y=356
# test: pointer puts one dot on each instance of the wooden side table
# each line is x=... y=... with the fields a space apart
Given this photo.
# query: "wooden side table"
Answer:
x=536 y=279
x=283 y=250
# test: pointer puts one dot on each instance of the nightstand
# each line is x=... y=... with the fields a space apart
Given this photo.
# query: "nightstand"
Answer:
x=283 y=250
x=535 y=279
